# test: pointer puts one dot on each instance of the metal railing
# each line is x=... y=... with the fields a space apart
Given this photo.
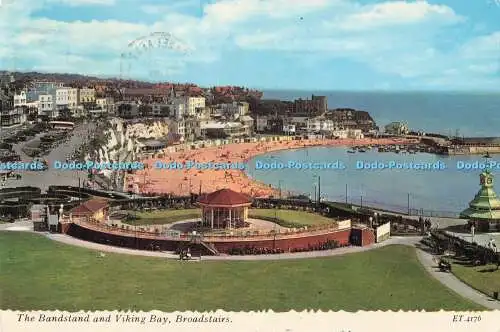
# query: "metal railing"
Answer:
x=141 y=231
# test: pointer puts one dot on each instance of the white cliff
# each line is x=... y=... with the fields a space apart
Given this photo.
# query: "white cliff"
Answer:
x=123 y=143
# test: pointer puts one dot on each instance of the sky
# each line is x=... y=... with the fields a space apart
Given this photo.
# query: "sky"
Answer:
x=265 y=44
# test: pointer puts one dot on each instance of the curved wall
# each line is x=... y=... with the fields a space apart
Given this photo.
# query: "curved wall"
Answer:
x=145 y=242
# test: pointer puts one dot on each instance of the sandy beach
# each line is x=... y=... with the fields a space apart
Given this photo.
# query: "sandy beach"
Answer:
x=185 y=181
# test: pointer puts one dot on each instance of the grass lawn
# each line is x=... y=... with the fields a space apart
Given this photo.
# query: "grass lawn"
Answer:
x=38 y=273
x=160 y=217
x=286 y=218
x=483 y=278
x=290 y=218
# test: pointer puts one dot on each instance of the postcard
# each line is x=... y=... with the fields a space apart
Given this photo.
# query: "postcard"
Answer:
x=253 y=165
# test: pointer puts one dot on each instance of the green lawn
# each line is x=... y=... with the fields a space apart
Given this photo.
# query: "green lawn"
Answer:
x=160 y=217
x=286 y=218
x=290 y=218
x=483 y=278
x=38 y=273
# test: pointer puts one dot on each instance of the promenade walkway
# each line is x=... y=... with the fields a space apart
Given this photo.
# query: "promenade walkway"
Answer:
x=453 y=283
x=170 y=255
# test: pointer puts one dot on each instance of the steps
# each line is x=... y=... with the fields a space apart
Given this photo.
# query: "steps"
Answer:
x=210 y=247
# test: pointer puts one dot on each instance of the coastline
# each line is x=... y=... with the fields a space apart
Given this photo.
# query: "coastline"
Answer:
x=186 y=181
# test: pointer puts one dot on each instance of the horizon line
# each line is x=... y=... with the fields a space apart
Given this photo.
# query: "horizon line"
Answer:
x=262 y=89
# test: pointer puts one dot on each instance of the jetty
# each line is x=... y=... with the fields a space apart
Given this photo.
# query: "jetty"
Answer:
x=469 y=146
x=443 y=145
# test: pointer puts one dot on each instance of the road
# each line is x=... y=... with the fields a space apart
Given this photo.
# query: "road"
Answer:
x=51 y=176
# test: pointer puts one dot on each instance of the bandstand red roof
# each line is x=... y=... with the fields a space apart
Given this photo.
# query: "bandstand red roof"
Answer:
x=225 y=197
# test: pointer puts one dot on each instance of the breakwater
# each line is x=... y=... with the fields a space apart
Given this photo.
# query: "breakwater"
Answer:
x=463 y=146
x=456 y=150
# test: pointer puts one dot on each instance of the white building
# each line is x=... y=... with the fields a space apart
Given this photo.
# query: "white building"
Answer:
x=106 y=104
x=235 y=109
x=397 y=128
x=289 y=129
x=261 y=123
x=160 y=109
x=177 y=127
x=223 y=129
x=179 y=110
x=33 y=107
x=86 y=95
x=193 y=104
x=348 y=133
x=72 y=98
x=20 y=99
x=62 y=98
x=47 y=106
x=11 y=117
x=320 y=125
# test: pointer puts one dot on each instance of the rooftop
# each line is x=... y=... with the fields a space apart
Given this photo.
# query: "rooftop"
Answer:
x=225 y=197
x=485 y=204
x=90 y=206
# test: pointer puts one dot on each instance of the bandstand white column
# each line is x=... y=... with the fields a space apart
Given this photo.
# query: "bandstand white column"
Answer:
x=212 y=210
x=230 y=218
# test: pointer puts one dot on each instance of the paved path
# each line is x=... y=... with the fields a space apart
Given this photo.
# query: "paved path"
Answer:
x=308 y=254
x=452 y=282
x=426 y=259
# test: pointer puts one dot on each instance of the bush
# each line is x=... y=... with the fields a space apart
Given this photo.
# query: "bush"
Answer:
x=327 y=245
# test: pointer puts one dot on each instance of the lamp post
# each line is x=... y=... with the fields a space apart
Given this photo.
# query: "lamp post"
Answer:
x=376 y=218
x=346 y=193
x=318 y=200
x=371 y=222
x=472 y=231
x=408 y=203
x=274 y=226
x=279 y=186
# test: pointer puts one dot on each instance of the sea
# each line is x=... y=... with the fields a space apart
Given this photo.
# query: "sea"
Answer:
x=431 y=192
x=447 y=113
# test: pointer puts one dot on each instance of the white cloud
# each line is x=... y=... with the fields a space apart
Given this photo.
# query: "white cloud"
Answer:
x=227 y=11
x=393 y=37
x=76 y=3
x=486 y=47
x=169 y=8
x=396 y=13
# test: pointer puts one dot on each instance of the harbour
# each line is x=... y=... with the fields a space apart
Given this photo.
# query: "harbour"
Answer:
x=439 y=145
x=394 y=189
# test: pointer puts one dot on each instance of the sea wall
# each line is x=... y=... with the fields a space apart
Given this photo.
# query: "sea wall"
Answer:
x=465 y=150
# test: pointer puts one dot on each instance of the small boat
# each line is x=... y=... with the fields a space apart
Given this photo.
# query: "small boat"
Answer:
x=351 y=151
x=363 y=150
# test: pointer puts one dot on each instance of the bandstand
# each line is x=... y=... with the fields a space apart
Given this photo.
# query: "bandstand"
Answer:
x=224 y=208
x=484 y=209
